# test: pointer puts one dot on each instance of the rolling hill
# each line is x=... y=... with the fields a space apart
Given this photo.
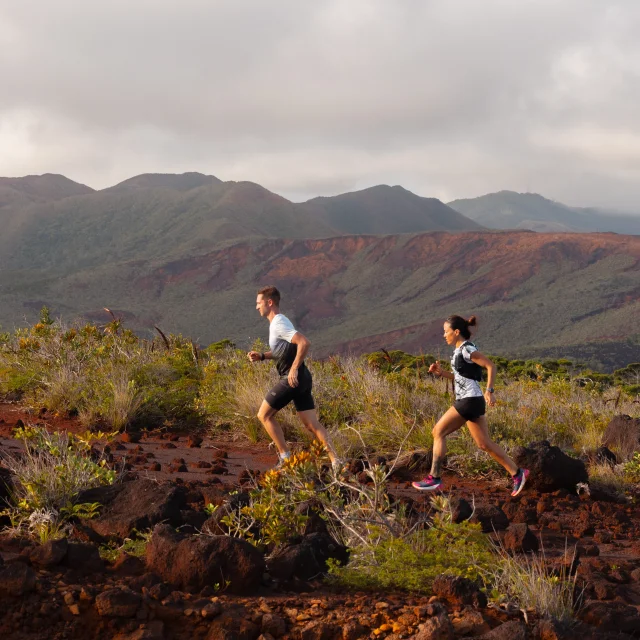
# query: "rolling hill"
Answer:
x=576 y=295
x=511 y=210
x=156 y=216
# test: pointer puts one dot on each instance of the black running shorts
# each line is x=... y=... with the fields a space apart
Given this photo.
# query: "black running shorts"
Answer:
x=283 y=393
x=471 y=408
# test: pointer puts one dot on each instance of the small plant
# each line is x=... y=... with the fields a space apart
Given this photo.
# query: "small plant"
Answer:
x=527 y=582
x=136 y=546
x=49 y=474
x=631 y=469
x=211 y=508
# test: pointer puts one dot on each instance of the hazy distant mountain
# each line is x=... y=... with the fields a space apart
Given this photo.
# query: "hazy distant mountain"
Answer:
x=28 y=189
x=164 y=216
x=511 y=210
x=384 y=209
x=177 y=182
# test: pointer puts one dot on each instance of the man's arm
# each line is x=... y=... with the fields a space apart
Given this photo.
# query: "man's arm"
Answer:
x=254 y=356
x=303 y=345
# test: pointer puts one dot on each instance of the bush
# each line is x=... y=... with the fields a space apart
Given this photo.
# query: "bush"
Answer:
x=48 y=476
x=413 y=562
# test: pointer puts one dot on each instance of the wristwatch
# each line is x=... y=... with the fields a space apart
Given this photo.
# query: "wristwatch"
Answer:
x=490 y=389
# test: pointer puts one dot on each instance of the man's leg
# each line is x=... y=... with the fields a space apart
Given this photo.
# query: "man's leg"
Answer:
x=310 y=421
x=266 y=415
x=451 y=421
x=479 y=431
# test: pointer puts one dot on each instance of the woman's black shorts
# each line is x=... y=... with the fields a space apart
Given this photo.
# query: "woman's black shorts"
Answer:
x=471 y=408
x=283 y=393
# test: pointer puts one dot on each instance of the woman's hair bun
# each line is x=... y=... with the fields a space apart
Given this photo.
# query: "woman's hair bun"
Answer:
x=471 y=322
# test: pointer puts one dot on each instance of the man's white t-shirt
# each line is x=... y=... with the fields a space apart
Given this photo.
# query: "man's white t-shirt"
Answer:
x=281 y=332
x=464 y=387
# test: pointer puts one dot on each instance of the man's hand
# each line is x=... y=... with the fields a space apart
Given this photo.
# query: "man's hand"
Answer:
x=435 y=368
x=254 y=356
x=293 y=377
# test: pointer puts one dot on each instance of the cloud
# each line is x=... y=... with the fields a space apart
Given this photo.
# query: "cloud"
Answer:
x=449 y=98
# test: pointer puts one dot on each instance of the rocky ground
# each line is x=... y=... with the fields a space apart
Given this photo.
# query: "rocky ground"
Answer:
x=216 y=587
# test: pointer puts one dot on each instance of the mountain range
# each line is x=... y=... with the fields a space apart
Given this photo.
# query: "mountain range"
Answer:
x=360 y=271
x=511 y=210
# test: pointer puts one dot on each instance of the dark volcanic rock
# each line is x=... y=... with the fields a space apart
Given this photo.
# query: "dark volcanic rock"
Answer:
x=461 y=510
x=49 y=554
x=490 y=517
x=83 y=557
x=512 y=630
x=118 y=603
x=520 y=538
x=193 y=562
x=233 y=626
x=459 y=591
x=139 y=504
x=612 y=616
x=438 y=627
x=550 y=468
x=307 y=559
x=623 y=434
x=16 y=579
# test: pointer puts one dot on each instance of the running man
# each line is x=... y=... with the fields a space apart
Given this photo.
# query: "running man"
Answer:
x=288 y=348
x=470 y=405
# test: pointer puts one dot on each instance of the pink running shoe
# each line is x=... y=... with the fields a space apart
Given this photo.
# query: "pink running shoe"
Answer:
x=519 y=480
x=428 y=484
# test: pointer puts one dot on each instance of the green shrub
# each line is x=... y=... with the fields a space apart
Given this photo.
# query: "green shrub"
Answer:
x=413 y=562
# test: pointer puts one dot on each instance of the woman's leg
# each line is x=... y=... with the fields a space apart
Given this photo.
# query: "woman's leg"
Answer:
x=451 y=421
x=479 y=431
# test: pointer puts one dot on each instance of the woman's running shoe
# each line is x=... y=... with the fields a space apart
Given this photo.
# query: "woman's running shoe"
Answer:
x=519 y=480
x=428 y=484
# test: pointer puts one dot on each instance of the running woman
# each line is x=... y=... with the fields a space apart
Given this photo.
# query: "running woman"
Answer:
x=288 y=348
x=470 y=405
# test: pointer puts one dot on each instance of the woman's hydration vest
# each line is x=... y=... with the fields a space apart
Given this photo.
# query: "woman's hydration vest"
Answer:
x=466 y=369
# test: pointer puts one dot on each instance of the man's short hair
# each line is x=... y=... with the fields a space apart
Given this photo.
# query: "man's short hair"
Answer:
x=270 y=293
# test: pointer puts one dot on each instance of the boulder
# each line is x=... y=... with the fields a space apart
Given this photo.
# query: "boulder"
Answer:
x=193 y=562
x=490 y=517
x=319 y=630
x=233 y=626
x=118 y=603
x=307 y=559
x=461 y=510
x=550 y=469
x=83 y=557
x=17 y=579
x=49 y=554
x=512 y=630
x=612 y=616
x=437 y=628
x=139 y=504
x=459 y=591
x=519 y=537
x=623 y=434
x=273 y=625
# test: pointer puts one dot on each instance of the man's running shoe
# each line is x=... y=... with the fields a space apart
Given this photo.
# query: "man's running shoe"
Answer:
x=519 y=480
x=428 y=484
x=281 y=458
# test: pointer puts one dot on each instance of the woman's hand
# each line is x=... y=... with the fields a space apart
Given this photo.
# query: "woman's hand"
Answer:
x=435 y=368
x=490 y=398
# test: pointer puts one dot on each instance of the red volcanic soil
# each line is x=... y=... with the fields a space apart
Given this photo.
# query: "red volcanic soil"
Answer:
x=604 y=533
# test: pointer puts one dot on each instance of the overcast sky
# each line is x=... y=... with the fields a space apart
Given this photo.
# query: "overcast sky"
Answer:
x=449 y=98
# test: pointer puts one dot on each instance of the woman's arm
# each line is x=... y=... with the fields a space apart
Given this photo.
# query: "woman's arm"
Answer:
x=483 y=361
x=435 y=368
